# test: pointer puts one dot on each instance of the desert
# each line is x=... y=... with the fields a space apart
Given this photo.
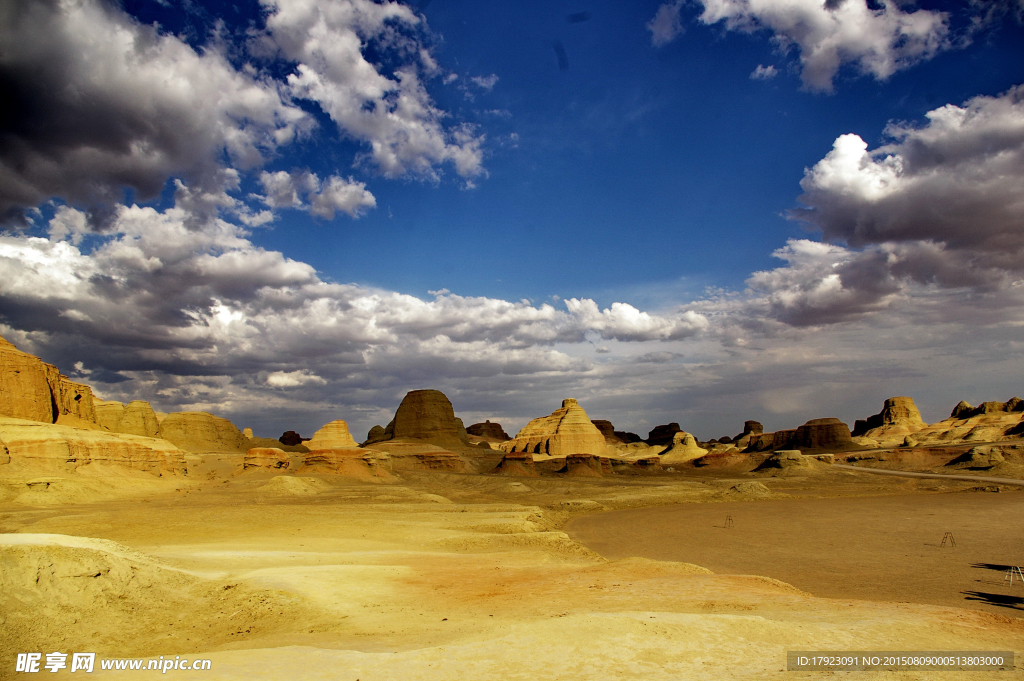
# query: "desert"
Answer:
x=563 y=552
x=447 y=340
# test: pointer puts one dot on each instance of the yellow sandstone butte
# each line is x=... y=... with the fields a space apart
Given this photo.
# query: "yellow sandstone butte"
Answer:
x=568 y=430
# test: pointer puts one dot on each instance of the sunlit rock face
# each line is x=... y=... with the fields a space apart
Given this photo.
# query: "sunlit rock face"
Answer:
x=568 y=430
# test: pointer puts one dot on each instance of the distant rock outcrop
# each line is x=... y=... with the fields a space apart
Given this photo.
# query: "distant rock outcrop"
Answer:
x=427 y=416
x=334 y=435
x=964 y=410
x=582 y=465
x=200 y=431
x=608 y=430
x=352 y=462
x=493 y=431
x=376 y=434
x=785 y=459
x=266 y=457
x=517 y=463
x=568 y=430
x=827 y=433
x=627 y=437
x=684 y=448
x=32 y=389
x=816 y=434
x=290 y=438
x=890 y=427
x=662 y=435
x=34 y=444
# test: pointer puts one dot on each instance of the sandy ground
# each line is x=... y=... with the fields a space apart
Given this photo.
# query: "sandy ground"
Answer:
x=877 y=548
x=445 y=576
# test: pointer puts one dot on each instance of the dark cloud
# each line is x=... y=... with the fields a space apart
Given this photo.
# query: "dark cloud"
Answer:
x=95 y=103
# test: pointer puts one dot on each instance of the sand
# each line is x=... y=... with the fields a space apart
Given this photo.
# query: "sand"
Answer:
x=442 y=576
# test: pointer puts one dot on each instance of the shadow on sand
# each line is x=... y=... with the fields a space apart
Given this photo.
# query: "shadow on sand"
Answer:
x=1000 y=600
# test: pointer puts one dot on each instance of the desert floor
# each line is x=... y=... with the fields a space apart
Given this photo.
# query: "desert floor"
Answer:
x=449 y=576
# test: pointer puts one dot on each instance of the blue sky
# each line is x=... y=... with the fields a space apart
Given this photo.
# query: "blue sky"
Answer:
x=289 y=212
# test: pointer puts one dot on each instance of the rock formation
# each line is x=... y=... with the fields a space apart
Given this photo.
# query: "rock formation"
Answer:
x=608 y=430
x=33 y=444
x=683 y=448
x=766 y=442
x=517 y=463
x=890 y=427
x=32 y=389
x=427 y=416
x=627 y=437
x=568 y=430
x=662 y=435
x=827 y=433
x=108 y=413
x=247 y=432
x=582 y=465
x=376 y=434
x=786 y=458
x=816 y=434
x=334 y=435
x=750 y=430
x=352 y=462
x=266 y=457
x=492 y=431
x=199 y=431
x=290 y=438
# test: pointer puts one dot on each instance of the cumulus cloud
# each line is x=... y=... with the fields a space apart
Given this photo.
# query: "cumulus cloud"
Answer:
x=392 y=113
x=877 y=42
x=666 y=24
x=158 y=295
x=303 y=190
x=940 y=204
x=97 y=102
x=763 y=72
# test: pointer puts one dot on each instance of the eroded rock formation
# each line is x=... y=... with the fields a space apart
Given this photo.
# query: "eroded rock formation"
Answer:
x=34 y=444
x=427 y=416
x=684 y=448
x=568 y=430
x=662 y=435
x=334 y=435
x=200 y=431
x=898 y=419
x=266 y=457
x=32 y=389
x=489 y=430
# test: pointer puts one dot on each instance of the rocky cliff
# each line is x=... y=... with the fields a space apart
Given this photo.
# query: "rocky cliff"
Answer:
x=32 y=389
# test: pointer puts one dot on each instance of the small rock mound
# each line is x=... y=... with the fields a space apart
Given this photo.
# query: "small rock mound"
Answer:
x=517 y=463
x=785 y=458
x=582 y=465
x=750 y=489
x=364 y=464
x=265 y=457
x=684 y=448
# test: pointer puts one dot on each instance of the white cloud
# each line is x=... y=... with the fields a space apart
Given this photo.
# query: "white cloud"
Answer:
x=100 y=102
x=293 y=379
x=942 y=200
x=877 y=42
x=763 y=72
x=666 y=24
x=303 y=190
x=394 y=115
x=485 y=82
